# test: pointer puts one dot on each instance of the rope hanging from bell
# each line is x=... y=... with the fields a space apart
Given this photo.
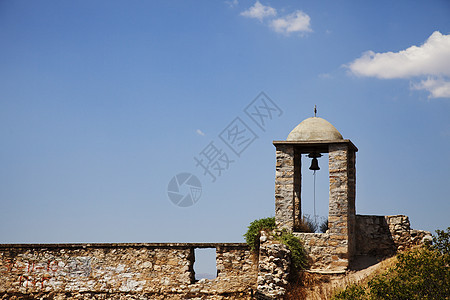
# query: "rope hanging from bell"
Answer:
x=314 y=167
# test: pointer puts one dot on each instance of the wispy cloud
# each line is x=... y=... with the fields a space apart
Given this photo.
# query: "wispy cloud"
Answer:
x=199 y=132
x=232 y=3
x=324 y=75
x=259 y=11
x=437 y=87
x=432 y=59
x=297 y=21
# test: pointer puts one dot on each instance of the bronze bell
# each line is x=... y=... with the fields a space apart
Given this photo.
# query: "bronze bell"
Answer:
x=314 y=162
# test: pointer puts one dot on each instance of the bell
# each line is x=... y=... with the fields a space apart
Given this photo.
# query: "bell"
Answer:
x=314 y=164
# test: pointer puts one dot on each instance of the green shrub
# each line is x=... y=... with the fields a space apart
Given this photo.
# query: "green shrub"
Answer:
x=254 y=231
x=421 y=273
x=352 y=292
x=418 y=274
x=441 y=241
x=298 y=254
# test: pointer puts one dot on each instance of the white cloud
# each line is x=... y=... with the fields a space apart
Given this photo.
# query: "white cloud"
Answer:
x=297 y=21
x=259 y=11
x=438 y=87
x=431 y=59
x=199 y=132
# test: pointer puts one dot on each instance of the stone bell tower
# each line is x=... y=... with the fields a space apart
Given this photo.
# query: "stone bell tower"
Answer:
x=312 y=137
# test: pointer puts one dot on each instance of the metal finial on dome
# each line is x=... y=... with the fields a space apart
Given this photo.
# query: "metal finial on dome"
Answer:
x=315 y=110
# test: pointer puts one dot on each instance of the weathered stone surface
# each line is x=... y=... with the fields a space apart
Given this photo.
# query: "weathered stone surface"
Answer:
x=273 y=268
x=384 y=235
x=285 y=202
x=107 y=271
x=314 y=129
x=341 y=221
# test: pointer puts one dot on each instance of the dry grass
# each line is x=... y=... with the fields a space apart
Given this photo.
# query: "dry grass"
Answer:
x=318 y=286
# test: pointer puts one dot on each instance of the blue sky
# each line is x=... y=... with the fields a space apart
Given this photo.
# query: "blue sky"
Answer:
x=103 y=102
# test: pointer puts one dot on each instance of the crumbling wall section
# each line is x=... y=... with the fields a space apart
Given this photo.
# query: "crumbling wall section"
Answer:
x=274 y=267
x=385 y=235
x=125 y=271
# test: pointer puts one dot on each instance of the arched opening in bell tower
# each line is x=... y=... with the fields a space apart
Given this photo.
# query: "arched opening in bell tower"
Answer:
x=314 y=192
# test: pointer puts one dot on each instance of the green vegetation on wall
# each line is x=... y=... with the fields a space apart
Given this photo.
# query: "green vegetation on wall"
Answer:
x=298 y=253
x=421 y=273
x=254 y=231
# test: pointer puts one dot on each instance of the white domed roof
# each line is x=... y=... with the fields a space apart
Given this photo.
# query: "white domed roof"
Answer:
x=314 y=129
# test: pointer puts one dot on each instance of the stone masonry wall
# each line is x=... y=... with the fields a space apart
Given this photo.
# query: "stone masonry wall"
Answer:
x=125 y=271
x=274 y=266
x=284 y=187
x=384 y=235
x=341 y=212
x=377 y=236
x=322 y=251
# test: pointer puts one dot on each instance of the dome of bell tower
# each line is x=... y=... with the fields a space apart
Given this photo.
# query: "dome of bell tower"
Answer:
x=314 y=129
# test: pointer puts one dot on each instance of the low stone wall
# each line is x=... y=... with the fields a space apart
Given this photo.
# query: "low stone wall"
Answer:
x=325 y=253
x=125 y=271
x=383 y=236
x=166 y=270
x=375 y=236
